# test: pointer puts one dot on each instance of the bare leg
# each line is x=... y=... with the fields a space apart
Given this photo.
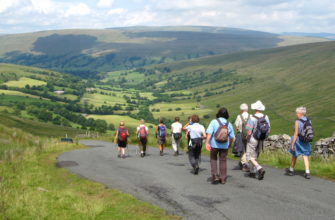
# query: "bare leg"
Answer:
x=306 y=162
x=293 y=161
x=123 y=151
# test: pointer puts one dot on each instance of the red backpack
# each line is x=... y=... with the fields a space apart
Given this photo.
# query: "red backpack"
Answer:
x=123 y=134
x=143 y=132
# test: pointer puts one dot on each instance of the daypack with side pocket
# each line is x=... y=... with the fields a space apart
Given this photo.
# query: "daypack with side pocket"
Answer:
x=245 y=131
x=162 y=131
x=123 y=134
x=143 y=134
x=221 y=135
x=307 y=133
x=176 y=136
x=262 y=128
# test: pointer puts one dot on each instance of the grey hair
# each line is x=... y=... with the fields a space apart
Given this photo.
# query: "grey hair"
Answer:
x=301 y=110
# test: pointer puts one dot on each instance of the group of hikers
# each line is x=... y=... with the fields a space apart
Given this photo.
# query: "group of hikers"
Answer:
x=251 y=131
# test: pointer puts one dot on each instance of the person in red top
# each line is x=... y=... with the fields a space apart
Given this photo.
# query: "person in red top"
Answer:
x=121 y=138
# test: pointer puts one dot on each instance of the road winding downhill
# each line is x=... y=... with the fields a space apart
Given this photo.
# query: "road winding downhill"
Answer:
x=168 y=182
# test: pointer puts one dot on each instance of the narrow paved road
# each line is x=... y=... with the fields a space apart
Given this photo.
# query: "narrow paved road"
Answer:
x=167 y=182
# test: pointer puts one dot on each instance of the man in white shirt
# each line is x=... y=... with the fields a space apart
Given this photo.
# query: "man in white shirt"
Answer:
x=240 y=123
x=176 y=130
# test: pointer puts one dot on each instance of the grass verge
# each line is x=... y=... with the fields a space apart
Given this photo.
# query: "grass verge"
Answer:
x=31 y=187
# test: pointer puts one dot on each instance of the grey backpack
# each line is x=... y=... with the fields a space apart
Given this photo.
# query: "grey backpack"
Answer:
x=307 y=133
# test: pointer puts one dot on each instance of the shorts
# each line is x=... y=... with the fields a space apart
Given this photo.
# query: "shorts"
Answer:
x=122 y=144
x=161 y=140
x=252 y=149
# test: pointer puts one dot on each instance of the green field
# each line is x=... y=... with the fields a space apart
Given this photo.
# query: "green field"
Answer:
x=116 y=119
x=97 y=99
x=22 y=82
x=16 y=93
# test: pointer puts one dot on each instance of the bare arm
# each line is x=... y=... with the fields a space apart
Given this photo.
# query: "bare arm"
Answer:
x=295 y=137
x=116 y=135
x=208 y=138
x=185 y=126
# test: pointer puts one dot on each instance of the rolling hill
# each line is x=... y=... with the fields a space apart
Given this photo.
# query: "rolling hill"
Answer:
x=89 y=52
x=283 y=78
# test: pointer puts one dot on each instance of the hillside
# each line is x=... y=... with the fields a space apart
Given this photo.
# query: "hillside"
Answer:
x=89 y=52
x=283 y=78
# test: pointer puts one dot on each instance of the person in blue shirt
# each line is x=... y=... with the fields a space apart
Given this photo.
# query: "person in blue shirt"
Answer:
x=297 y=146
x=219 y=149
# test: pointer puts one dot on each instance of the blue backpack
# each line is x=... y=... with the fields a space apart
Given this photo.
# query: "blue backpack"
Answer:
x=162 y=131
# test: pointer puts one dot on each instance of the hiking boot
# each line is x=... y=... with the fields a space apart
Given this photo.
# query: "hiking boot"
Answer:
x=307 y=175
x=215 y=180
x=261 y=173
x=142 y=154
x=252 y=175
x=222 y=181
x=175 y=153
x=119 y=155
x=196 y=170
x=123 y=156
x=245 y=168
x=289 y=172
x=161 y=153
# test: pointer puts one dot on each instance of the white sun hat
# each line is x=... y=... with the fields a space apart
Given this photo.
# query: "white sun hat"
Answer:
x=244 y=107
x=258 y=106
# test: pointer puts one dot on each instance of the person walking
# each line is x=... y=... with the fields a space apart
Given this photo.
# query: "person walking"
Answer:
x=142 y=132
x=161 y=136
x=242 y=136
x=220 y=135
x=121 y=138
x=197 y=134
x=301 y=141
x=258 y=130
x=176 y=128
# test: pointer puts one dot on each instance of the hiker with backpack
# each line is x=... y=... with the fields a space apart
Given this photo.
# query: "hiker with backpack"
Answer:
x=197 y=135
x=176 y=130
x=120 y=139
x=161 y=136
x=220 y=135
x=142 y=132
x=241 y=137
x=258 y=130
x=301 y=141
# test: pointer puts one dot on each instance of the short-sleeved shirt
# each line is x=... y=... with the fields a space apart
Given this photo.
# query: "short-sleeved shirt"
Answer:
x=252 y=123
x=212 y=129
x=239 y=122
x=176 y=127
x=196 y=130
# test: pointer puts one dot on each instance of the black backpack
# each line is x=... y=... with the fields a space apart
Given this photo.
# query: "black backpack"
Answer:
x=307 y=133
x=262 y=129
x=176 y=136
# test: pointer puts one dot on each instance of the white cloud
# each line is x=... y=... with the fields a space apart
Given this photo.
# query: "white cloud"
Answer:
x=8 y=4
x=116 y=11
x=79 y=9
x=105 y=3
x=42 y=6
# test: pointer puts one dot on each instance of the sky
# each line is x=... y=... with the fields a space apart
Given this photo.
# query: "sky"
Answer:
x=277 y=16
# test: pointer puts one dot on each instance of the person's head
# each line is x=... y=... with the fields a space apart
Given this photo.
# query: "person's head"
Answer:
x=161 y=120
x=142 y=121
x=258 y=106
x=222 y=113
x=176 y=119
x=301 y=111
x=195 y=118
x=244 y=107
x=122 y=123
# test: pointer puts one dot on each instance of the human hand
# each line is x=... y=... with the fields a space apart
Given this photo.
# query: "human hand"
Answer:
x=292 y=147
x=208 y=147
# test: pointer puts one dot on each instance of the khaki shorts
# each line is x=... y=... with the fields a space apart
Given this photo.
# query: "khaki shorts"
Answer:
x=252 y=145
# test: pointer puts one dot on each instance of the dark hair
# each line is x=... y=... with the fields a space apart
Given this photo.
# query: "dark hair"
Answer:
x=177 y=119
x=195 y=118
x=161 y=120
x=223 y=113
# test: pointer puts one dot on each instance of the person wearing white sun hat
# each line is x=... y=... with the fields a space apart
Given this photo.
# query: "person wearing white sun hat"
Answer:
x=258 y=128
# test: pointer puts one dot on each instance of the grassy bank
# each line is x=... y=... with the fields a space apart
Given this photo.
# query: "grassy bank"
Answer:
x=31 y=187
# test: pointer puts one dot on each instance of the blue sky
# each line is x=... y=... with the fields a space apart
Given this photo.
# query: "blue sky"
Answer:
x=17 y=16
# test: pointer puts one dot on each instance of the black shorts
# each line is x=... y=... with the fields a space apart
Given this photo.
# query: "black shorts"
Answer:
x=122 y=144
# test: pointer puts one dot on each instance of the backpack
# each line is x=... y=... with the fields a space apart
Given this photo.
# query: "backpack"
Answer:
x=307 y=133
x=221 y=135
x=245 y=131
x=123 y=134
x=262 y=129
x=143 y=134
x=162 y=131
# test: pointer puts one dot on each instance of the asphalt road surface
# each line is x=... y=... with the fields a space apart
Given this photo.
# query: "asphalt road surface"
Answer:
x=168 y=182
